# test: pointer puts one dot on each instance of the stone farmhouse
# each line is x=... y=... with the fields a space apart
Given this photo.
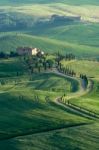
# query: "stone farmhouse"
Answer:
x=29 y=51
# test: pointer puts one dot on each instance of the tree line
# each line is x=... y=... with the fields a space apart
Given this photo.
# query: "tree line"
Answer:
x=66 y=70
x=6 y=55
x=66 y=57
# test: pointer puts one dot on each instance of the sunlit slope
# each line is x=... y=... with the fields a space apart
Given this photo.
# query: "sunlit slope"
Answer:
x=11 y=41
x=29 y=104
x=91 y=101
x=87 y=12
x=84 y=34
x=29 y=115
x=90 y=68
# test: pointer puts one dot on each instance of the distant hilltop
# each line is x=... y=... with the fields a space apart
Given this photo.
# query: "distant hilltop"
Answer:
x=65 y=18
x=57 y=20
x=18 y=20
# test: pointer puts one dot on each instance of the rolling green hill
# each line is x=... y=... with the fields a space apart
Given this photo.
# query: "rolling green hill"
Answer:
x=82 y=138
x=90 y=68
x=84 y=34
x=10 y=67
x=32 y=111
x=39 y=123
x=11 y=41
x=79 y=37
x=44 y=11
x=91 y=101
x=30 y=116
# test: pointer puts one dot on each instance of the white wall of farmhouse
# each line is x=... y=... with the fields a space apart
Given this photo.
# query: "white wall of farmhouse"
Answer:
x=34 y=51
x=28 y=51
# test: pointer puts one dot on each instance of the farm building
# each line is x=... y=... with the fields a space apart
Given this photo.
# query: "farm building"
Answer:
x=29 y=51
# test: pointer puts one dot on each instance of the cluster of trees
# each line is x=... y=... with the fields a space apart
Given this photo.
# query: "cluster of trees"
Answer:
x=2 y=82
x=3 y=55
x=67 y=57
x=37 y=63
x=61 y=68
x=6 y=55
x=66 y=70
x=84 y=80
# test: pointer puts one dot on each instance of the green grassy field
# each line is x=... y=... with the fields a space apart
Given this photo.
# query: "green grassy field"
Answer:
x=10 y=67
x=80 y=38
x=81 y=138
x=90 y=68
x=30 y=118
x=87 y=12
x=30 y=106
x=91 y=101
x=82 y=34
x=11 y=41
x=32 y=111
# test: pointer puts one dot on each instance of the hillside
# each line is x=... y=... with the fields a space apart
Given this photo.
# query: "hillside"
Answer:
x=64 y=28
x=49 y=74
x=84 y=66
x=36 y=121
x=11 y=41
x=44 y=11
x=83 y=34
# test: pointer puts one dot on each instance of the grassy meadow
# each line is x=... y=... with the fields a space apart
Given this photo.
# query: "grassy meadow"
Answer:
x=91 y=101
x=10 y=67
x=29 y=24
x=29 y=103
x=12 y=40
x=81 y=138
x=30 y=118
x=91 y=69
x=88 y=67
x=32 y=111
